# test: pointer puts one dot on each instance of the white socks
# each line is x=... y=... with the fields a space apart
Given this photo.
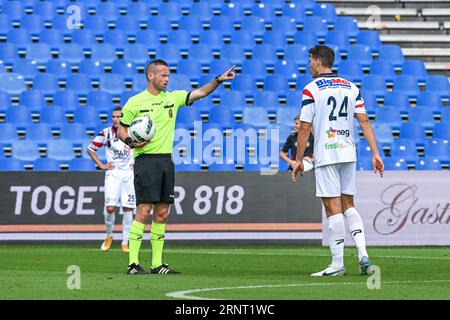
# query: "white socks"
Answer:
x=336 y=235
x=127 y=219
x=109 y=222
x=356 y=228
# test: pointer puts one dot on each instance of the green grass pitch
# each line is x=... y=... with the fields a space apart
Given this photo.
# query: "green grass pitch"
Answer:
x=267 y=272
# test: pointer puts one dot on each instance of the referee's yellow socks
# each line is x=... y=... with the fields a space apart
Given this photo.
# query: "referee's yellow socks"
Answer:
x=157 y=241
x=136 y=233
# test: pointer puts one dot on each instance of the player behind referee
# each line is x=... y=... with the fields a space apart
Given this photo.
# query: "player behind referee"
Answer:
x=154 y=174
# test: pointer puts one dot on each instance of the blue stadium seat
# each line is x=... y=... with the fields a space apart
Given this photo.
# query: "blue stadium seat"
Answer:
x=303 y=80
x=423 y=116
x=183 y=167
x=92 y=68
x=404 y=149
x=318 y=25
x=234 y=53
x=71 y=53
x=244 y=83
x=351 y=70
x=125 y=68
x=19 y=37
x=395 y=163
x=415 y=68
x=40 y=52
x=413 y=131
x=298 y=54
x=83 y=37
x=31 y=98
x=149 y=38
x=268 y=99
x=47 y=83
x=97 y=24
x=428 y=163
x=363 y=149
x=140 y=82
x=375 y=84
x=222 y=24
x=364 y=164
x=59 y=22
x=5 y=24
x=265 y=53
x=59 y=68
x=202 y=53
x=243 y=38
x=52 y=37
x=384 y=69
x=80 y=83
x=221 y=167
x=18 y=115
x=75 y=132
x=390 y=116
x=170 y=9
x=306 y=38
x=222 y=115
x=45 y=9
x=117 y=38
x=348 y=25
x=204 y=105
x=285 y=25
x=103 y=52
x=217 y=66
x=179 y=82
x=233 y=99
x=276 y=83
x=288 y=69
x=33 y=23
x=136 y=53
x=192 y=24
x=8 y=133
x=369 y=38
x=123 y=98
x=39 y=132
x=398 y=100
x=13 y=9
x=191 y=68
x=181 y=38
x=326 y=11
x=407 y=84
x=188 y=116
x=212 y=38
x=276 y=39
x=81 y=164
x=296 y=12
x=438 y=84
x=45 y=164
x=108 y=10
x=138 y=11
x=264 y=11
x=61 y=150
x=169 y=53
x=431 y=100
x=201 y=9
x=160 y=24
x=392 y=53
x=127 y=25
x=99 y=99
x=8 y=51
x=442 y=130
x=10 y=164
x=438 y=149
x=339 y=39
x=25 y=67
x=286 y=115
x=361 y=53
x=12 y=83
x=233 y=11
x=294 y=99
x=112 y=83
x=87 y=115
x=25 y=150
x=54 y=115
x=256 y=116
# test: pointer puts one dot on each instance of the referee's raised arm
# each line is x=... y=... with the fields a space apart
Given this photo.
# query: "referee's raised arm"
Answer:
x=211 y=86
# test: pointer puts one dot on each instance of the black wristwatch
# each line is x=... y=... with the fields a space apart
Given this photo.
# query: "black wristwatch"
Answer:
x=129 y=142
x=218 y=79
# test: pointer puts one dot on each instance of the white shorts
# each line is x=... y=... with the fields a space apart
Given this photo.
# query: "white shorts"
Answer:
x=119 y=189
x=336 y=179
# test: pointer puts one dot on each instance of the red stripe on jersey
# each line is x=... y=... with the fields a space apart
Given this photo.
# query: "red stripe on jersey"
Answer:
x=307 y=93
x=359 y=106
x=97 y=144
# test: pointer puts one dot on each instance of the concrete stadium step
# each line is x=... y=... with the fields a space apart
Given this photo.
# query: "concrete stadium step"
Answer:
x=416 y=40
x=404 y=27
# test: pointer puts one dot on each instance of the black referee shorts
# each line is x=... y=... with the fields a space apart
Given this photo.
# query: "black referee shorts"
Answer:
x=154 y=178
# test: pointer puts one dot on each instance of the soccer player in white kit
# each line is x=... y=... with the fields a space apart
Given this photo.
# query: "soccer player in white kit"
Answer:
x=119 y=179
x=329 y=105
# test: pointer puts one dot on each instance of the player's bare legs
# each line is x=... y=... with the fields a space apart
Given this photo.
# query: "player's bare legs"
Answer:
x=110 y=217
x=356 y=228
x=336 y=235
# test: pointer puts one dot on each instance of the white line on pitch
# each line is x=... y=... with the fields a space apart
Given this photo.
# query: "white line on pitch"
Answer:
x=184 y=294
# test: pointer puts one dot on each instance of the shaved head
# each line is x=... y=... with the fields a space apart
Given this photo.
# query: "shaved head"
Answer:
x=152 y=67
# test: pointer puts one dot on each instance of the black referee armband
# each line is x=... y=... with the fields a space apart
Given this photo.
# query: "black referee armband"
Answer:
x=129 y=142
x=218 y=79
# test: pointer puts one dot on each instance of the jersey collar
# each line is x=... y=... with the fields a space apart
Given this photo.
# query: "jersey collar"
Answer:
x=327 y=75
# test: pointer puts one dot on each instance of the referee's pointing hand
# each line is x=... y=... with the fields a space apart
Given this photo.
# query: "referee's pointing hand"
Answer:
x=228 y=75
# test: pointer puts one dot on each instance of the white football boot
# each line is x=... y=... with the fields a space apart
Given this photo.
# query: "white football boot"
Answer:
x=329 y=271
